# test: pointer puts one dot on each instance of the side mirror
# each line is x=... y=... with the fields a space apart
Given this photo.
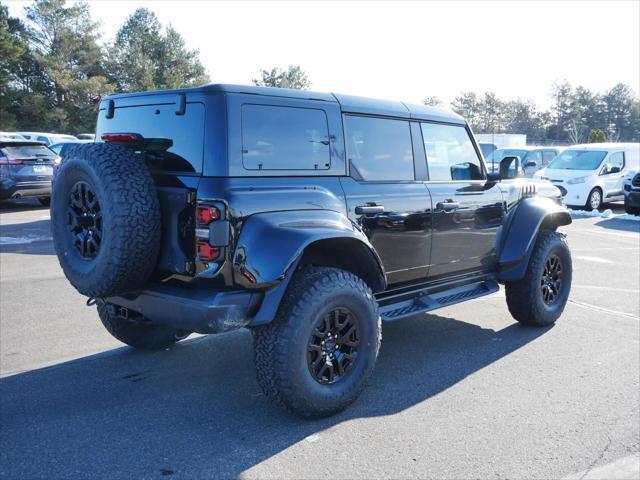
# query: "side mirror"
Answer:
x=614 y=170
x=510 y=167
x=530 y=163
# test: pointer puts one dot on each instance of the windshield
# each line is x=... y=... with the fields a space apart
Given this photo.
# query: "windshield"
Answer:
x=578 y=160
x=20 y=152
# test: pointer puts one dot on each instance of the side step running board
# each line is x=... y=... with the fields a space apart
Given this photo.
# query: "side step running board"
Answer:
x=424 y=302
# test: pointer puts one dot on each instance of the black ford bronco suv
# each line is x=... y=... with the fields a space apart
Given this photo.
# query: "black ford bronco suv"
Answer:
x=306 y=217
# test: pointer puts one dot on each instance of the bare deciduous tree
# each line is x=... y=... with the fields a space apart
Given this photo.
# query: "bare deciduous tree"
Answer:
x=575 y=131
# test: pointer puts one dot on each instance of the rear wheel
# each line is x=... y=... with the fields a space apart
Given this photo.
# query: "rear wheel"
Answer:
x=138 y=332
x=540 y=297
x=594 y=200
x=315 y=358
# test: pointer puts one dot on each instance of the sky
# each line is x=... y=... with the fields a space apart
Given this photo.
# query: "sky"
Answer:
x=406 y=50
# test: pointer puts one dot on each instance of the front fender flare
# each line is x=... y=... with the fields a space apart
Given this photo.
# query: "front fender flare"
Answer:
x=520 y=231
x=270 y=243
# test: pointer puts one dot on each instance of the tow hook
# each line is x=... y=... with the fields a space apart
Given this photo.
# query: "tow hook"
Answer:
x=91 y=301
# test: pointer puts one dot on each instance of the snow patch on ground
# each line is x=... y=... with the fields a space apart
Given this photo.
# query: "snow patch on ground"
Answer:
x=22 y=240
x=608 y=213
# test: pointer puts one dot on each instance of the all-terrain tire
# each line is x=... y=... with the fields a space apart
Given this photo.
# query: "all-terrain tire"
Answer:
x=525 y=297
x=137 y=333
x=129 y=212
x=631 y=210
x=281 y=347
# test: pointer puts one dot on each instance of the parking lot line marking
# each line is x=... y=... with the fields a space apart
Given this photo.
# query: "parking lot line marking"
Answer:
x=612 y=289
x=593 y=259
x=602 y=309
x=617 y=234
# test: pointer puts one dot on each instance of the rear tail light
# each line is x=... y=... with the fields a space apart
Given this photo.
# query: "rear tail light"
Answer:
x=206 y=252
x=205 y=215
x=206 y=220
x=121 y=137
x=9 y=161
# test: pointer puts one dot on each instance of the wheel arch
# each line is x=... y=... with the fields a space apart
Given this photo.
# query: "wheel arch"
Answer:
x=520 y=231
x=296 y=239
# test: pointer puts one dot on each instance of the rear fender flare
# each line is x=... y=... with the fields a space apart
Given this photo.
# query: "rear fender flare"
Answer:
x=520 y=231
x=270 y=243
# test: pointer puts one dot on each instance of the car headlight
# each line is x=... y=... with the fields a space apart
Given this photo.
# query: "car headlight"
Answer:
x=57 y=160
x=573 y=181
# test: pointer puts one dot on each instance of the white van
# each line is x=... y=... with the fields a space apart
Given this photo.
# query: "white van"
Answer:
x=590 y=175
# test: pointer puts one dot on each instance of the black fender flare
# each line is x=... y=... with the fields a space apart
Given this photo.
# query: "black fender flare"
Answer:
x=271 y=245
x=520 y=230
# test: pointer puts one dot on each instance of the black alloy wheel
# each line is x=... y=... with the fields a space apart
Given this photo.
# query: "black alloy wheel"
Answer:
x=551 y=281
x=84 y=220
x=332 y=349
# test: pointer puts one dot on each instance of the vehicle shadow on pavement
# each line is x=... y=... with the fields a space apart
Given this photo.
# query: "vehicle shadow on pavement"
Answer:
x=196 y=409
x=32 y=238
x=9 y=206
x=617 y=224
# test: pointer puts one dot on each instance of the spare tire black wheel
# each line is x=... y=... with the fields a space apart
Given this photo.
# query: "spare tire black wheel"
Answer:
x=105 y=219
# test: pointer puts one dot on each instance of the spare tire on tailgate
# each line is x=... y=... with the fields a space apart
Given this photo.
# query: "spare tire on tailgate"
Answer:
x=105 y=219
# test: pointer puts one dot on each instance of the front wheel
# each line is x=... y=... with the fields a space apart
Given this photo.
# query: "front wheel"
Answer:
x=315 y=358
x=540 y=297
x=594 y=200
x=45 y=201
x=631 y=210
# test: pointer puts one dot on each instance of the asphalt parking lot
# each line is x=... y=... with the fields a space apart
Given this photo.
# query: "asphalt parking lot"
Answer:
x=464 y=393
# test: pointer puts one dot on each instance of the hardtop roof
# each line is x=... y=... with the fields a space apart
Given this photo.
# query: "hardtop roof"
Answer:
x=348 y=103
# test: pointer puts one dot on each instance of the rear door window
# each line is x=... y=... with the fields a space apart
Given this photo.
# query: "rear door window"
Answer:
x=379 y=149
x=285 y=138
x=179 y=139
x=450 y=153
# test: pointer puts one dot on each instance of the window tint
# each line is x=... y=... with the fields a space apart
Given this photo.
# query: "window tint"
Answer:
x=26 y=151
x=284 y=138
x=179 y=139
x=533 y=156
x=379 y=149
x=43 y=139
x=450 y=153
x=547 y=156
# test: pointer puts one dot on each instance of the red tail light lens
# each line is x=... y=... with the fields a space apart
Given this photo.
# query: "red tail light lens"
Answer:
x=121 y=137
x=9 y=161
x=206 y=252
x=206 y=215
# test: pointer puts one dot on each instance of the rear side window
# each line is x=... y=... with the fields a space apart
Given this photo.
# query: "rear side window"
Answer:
x=450 y=153
x=285 y=138
x=179 y=138
x=379 y=149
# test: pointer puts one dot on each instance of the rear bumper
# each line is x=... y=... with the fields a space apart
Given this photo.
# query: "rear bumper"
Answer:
x=10 y=189
x=195 y=310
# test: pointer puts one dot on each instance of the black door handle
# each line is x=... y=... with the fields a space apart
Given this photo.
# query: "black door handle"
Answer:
x=446 y=206
x=368 y=209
